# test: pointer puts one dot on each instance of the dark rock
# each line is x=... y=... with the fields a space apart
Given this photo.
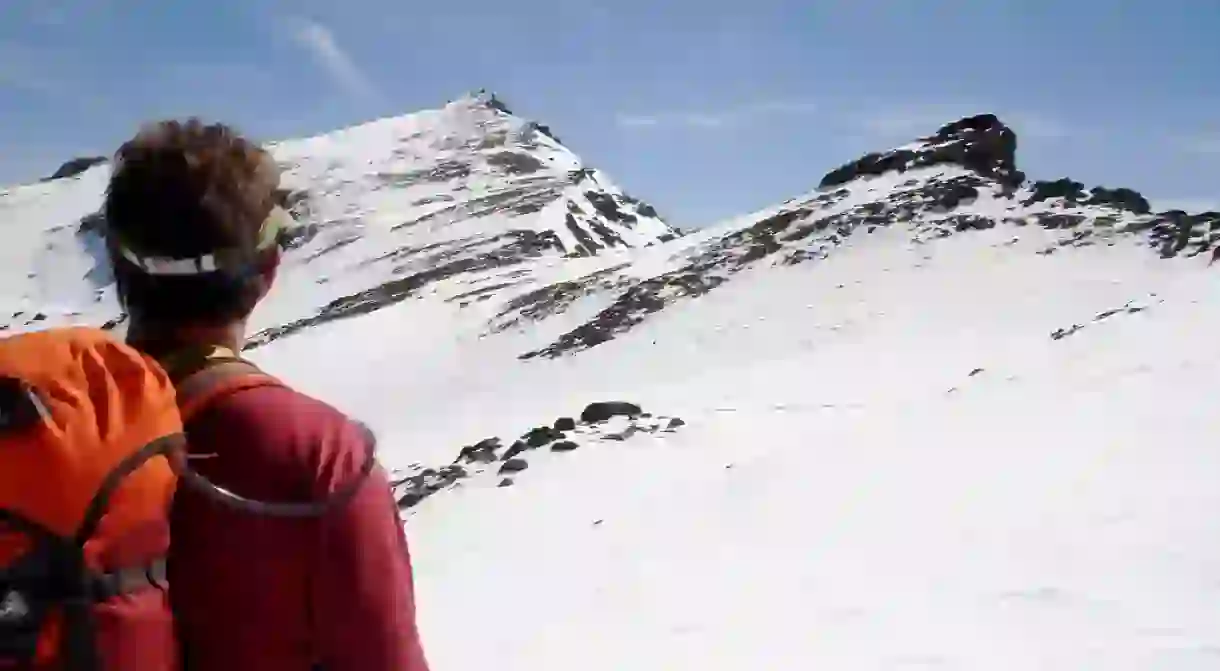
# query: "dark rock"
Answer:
x=1060 y=334
x=38 y=317
x=647 y=210
x=587 y=245
x=1059 y=221
x=1073 y=192
x=427 y=482
x=1067 y=189
x=111 y=324
x=491 y=100
x=976 y=371
x=565 y=424
x=515 y=449
x=551 y=300
x=607 y=234
x=1121 y=198
x=954 y=193
x=483 y=452
x=971 y=222
x=514 y=466
x=605 y=204
x=506 y=482
x=629 y=310
x=545 y=130
x=515 y=163
x=564 y=446
x=979 y=143
x=541 y=435
x=76 y=166
x=601 y=411
x=411 y=498
x=675 y=422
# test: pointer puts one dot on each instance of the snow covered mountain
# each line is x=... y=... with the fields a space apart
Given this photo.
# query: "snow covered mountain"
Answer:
x=387 y=210
x=930 y=415
x=961 y=179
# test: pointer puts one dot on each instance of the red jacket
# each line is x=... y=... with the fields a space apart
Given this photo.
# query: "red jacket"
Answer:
x=259 y=593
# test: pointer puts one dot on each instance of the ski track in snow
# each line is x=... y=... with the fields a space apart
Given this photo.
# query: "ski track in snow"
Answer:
x=888 y=461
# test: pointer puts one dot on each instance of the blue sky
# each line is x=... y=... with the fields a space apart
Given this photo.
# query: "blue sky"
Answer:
x=707 y=108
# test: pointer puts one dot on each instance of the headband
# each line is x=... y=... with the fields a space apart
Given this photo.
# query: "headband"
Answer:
x=268 y=236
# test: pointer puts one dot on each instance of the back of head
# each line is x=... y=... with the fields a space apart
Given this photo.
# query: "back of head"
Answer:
x=191 y=222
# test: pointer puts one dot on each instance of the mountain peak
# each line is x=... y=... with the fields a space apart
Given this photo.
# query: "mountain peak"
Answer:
x=485 y=98
x=981 y=143
x=76 y=166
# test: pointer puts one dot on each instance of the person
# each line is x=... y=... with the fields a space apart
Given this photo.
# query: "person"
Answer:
x=291 y=556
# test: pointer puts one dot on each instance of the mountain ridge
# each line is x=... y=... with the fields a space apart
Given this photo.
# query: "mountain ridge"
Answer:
x=963 y=178
x=475 y=205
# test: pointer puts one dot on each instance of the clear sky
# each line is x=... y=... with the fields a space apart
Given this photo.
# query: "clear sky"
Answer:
x=707 y=108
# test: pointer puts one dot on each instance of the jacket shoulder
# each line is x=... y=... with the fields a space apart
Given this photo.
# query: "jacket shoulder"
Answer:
x=277 y=428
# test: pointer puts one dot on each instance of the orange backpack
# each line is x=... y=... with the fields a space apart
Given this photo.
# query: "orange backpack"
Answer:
x=88 y=427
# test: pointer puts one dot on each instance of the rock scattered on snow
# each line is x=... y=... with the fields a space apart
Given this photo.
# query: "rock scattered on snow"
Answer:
x=1130 y=307
x=606 y=421
x=515 y=465
x=539 y=436
x=600 y=412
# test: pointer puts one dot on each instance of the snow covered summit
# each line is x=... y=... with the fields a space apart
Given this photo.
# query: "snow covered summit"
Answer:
x=388 y=210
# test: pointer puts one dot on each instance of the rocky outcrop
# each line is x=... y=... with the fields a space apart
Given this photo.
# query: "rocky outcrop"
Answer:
x=979 y=143
x=1071 y=191
x=76 y=166
x=607 y=421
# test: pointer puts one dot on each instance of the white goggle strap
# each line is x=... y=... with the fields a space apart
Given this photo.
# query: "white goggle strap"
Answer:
x=268 y=234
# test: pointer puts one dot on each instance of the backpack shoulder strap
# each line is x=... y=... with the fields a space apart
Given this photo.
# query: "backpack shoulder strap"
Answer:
x=199 y=390
x=224 y=378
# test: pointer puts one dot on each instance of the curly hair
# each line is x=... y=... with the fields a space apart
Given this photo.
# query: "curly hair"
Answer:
x=185 y=189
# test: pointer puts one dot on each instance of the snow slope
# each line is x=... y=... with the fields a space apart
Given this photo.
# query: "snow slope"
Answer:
x=935 y=417
x=848 y=492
